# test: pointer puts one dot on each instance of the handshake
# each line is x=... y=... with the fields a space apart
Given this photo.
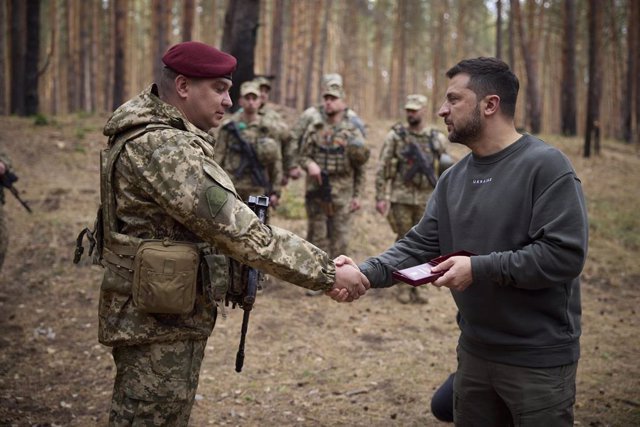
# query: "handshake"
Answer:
x=350 y=283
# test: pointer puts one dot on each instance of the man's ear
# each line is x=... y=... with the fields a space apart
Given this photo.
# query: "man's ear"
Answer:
x=182 y=86
x=491 y=104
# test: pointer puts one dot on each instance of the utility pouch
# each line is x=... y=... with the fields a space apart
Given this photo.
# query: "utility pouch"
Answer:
x=165 y=277
x=214 y=273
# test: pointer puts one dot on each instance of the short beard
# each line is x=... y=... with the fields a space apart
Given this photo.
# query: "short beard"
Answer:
x=414 y=121
x=469 y=131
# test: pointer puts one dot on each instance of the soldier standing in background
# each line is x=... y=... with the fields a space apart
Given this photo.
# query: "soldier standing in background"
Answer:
x=4 y=231
x=247 y=148
x=334 y=155
x=161 y=191
x=410 y=161
x=289 y=149
x=317 y=113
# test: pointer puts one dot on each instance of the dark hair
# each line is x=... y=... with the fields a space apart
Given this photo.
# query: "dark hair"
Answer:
x=490 y=76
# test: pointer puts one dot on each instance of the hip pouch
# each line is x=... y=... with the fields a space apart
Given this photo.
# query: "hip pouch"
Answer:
x=165 y=277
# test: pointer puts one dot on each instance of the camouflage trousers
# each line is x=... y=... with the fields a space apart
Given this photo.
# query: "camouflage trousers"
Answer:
x=155 y=383
x=328 y=227
x=4 y=236
x=403 y=216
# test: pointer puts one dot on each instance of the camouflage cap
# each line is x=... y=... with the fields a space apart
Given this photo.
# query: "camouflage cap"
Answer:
x=415 y=102
x=332 y=85
x=263 y=81
x=248 y=87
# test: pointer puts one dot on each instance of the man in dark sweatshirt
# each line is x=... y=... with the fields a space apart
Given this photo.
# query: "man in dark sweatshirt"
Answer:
x=517 y=204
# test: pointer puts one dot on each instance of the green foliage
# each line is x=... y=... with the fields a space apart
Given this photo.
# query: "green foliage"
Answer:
x=40 y=120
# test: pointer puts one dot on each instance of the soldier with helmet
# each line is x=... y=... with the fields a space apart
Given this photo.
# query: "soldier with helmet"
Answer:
x=247 y=148
x=274 y=120
x=333 y=154
x=169 y=223
x=411 y=159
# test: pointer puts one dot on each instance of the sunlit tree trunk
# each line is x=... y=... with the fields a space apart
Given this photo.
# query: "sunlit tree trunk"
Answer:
x=276 y=49
x=120 y=38
x=188 y=14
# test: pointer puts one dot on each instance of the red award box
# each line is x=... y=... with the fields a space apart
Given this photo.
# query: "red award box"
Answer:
x=421 y=274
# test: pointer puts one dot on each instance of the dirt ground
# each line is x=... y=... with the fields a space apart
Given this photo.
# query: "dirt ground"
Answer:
x=309 y=361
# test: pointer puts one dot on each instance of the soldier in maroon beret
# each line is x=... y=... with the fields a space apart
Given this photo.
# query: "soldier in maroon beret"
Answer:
x=173 y=224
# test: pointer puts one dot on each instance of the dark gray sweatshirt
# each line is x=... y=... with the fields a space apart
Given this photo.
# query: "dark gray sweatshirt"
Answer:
x=523 y=213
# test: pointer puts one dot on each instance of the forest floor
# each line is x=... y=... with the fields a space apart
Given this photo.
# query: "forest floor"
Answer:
x=309 y=361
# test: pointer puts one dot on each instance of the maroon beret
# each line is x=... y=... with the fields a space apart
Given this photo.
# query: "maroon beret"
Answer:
x=195 y=59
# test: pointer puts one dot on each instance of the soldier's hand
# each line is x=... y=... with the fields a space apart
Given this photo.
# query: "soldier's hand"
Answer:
x=274 y=200
x=382 y=206
x=354 y=205
x=350 y=284
x=3 y=168
x=295 y=173
x=314 y=171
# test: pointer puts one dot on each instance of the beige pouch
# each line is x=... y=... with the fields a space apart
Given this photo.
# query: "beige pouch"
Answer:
x=165 y=277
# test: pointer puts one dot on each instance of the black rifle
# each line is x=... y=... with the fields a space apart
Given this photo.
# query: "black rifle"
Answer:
x=323 y=193
x=251 y=277
x=421 y=164
x=249 y=158
x=7 y=181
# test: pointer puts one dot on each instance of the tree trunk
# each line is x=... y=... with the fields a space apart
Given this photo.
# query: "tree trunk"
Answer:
x=323 y=45
x=529 y=47
x=18 y=55
x=120 y=38
x=240 y=35
x=161 y=17
x=593 y=94
x=439 y=56
x=629 y=103
x=3 y=57
x=188 y=13
x=568 y=91
x=276 y=49
x=499 y=29
x=316 y=8
x=32 y=58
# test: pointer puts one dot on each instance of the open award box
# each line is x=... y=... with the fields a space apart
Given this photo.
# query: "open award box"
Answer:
x=422 y=274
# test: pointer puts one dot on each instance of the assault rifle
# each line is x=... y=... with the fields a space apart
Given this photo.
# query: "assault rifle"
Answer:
x=250 y=278
x=421 y=164
x=323 y=193
x=7 y=181
x=249 y=158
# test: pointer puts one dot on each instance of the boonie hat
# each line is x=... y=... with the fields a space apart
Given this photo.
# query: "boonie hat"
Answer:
x=196 y=59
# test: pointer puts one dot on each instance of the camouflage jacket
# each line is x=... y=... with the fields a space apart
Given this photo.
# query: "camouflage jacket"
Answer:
x=263 y=137
x=339 y=150
x=279 y=127
x=7 y=164
x=167 y=185
x=394 y=164
x=316 y=114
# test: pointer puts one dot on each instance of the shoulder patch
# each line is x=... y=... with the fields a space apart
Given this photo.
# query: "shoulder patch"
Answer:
x=216 y=199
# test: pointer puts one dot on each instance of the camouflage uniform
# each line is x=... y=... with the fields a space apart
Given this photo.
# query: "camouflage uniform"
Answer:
x=4 y=231
x=408 y=199
x=340 y=151
x=316 y=114
x=164 y=184
x=262 y=136
x=272 y=119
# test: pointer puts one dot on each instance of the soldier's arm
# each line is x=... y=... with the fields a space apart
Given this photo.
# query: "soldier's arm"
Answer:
x=196 y=192
x=221 y=146
x=274 y=169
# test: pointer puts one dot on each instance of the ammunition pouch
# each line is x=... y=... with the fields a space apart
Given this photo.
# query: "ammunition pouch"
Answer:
x=165 y=275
